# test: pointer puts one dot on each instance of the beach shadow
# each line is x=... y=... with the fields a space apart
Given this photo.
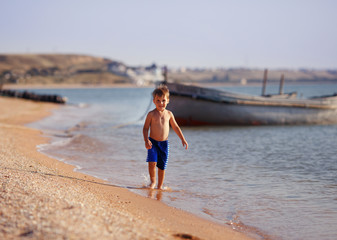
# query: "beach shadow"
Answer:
x=185 y=236
x=150 y=193
x=72 y=178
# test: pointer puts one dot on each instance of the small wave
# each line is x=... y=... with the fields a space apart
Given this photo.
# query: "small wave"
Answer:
x=208 y=212
x=81 y=143
x=55 y=144
x=73 y=145
x=255 y=232
x=77 y=168
x=79 y=105
x=79 y=126
x=82 y=105
x=42 y=148
x=65 y=135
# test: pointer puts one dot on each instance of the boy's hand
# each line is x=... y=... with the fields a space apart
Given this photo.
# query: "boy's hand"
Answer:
x=148 y=144
x=185 y=144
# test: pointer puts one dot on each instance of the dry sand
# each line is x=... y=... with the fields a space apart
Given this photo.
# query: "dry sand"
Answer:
x=42 y=198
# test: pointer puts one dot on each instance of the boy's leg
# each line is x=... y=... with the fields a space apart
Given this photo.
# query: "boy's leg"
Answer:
x=161 y=176
x=152 y=172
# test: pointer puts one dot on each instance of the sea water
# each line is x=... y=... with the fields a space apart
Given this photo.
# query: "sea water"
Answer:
x=277 y=182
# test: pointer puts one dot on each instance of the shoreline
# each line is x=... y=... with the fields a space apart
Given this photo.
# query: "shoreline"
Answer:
x=130 y=85
x=59 y=202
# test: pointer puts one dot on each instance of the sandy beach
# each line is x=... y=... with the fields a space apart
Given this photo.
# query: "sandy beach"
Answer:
x=42 y=198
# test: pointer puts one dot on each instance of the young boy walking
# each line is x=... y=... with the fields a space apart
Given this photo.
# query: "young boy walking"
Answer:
x=158 y=121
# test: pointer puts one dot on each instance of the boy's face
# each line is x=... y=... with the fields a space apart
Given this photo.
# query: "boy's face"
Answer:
x=160 y=102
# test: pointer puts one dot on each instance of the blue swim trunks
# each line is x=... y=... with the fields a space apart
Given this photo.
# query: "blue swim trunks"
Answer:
x=159 y=153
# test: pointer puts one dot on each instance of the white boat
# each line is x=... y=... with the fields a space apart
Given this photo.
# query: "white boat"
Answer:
x=193 y=105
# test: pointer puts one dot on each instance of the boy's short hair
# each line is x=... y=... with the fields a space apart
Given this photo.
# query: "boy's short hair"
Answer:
x=161 y=90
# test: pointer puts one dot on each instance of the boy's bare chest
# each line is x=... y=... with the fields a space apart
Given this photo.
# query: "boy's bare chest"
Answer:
x=161 y=119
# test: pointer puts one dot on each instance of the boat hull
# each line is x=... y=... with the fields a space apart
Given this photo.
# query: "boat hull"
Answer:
x=193 y=111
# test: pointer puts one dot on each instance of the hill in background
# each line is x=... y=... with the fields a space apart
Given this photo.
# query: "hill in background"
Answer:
x=82 y=69
x=57 y=69
x=252 y=76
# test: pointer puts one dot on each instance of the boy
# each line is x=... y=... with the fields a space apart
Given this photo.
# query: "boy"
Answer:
x=159 y=121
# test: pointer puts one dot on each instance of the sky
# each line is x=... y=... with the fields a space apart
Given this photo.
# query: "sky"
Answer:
x=177 y=33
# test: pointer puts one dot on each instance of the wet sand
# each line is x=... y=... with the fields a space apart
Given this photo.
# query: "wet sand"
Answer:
x=42 y=198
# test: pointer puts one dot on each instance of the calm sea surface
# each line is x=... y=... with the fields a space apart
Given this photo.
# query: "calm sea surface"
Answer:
x=279 y=182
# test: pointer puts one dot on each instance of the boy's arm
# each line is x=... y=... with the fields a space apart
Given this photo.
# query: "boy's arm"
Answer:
x=177 y=130
x=148 y=144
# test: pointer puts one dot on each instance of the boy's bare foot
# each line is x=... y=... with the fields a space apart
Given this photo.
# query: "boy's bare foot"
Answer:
x=165 y=188
x=152 y=185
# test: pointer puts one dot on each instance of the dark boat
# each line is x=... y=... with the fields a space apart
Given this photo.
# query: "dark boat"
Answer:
x=194 y=105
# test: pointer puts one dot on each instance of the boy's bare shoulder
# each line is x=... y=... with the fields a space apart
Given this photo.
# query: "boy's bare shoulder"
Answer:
x=169 y=112
x=151 y=112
